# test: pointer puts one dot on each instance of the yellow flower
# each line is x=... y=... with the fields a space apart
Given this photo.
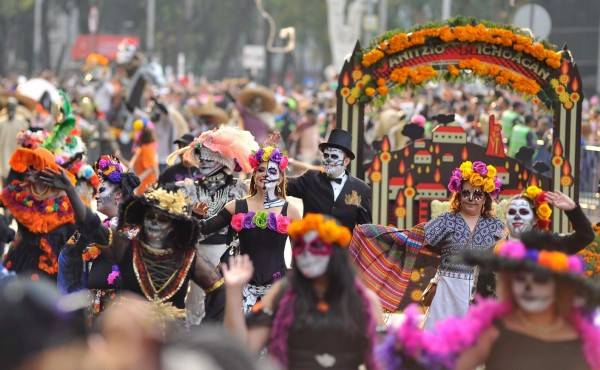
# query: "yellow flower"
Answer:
x=489 y=186
x=491 y=171
x=543 y=211
x=532 y=191
x=369 y=91
x=357 y=75
x=466 y=165
x=267 y=153
x=476 y=179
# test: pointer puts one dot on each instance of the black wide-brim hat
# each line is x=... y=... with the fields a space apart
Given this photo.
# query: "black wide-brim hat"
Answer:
x=186 y=230
x=535 y=241
x=339 y=139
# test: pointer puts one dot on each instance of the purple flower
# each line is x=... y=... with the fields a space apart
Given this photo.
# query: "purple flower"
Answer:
x=457 y=173
x=115 y=276
x=247 y=221
x=114 y=177
x=532 y=255
x=515 y=250
x=272 y=221
x=276 y=155
x=480 y=168
x=454 y=184
x=498 y=183
x=103 y=163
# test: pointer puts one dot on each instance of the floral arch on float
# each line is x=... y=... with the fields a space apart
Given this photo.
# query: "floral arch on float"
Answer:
x=404 y=182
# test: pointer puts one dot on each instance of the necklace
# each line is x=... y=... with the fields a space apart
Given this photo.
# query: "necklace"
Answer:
x=540 y=328
x=39 y=195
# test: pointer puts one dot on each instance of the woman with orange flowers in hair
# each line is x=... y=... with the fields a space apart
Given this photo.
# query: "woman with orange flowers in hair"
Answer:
x=260 y=221
x=470 y=225
x=44 y=215
x=320 y=315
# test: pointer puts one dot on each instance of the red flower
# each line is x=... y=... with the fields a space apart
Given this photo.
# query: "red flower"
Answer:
x=541 y=198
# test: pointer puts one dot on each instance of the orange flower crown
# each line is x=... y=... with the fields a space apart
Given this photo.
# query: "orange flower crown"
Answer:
x=328 y=230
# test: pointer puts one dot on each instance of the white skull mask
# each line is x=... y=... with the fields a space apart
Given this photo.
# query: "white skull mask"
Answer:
x=519 y=217
x=125 y=52
x=310 y=265
x=333 y=161
x=210 y=162
x=105 y=198
x=533 y=294
x=156 y=226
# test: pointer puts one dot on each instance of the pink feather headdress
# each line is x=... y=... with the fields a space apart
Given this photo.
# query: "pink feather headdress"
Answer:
x=225 y=144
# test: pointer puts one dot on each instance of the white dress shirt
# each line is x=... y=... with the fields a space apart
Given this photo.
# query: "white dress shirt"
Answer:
x=337 y=188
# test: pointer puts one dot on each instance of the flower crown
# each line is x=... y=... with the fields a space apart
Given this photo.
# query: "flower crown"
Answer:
x=31 y=139
x=542 y=209
x=83 y=170
x=552 y=260
x=109 y=168
x=268 y=153
x=175 y=203
x=328 y=230
x=477 y=174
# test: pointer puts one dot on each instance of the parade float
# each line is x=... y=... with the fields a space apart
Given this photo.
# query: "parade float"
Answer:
x=406 y=182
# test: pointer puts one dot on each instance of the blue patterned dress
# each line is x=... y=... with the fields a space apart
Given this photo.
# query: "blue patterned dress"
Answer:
x=449 y=234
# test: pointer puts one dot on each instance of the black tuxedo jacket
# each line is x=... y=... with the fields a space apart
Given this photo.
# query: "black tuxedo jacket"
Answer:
x=352 y=206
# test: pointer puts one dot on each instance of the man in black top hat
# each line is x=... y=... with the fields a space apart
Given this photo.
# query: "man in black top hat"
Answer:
x=334 y=192
x=182 y=170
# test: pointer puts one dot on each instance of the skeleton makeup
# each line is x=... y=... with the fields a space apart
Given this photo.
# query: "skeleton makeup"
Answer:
x=311 y=255
x=211 y=162
x=270 y=174
x=157 y=227
x=333 y=161
x=105 y=199
x=519 y=217
x=534 y=294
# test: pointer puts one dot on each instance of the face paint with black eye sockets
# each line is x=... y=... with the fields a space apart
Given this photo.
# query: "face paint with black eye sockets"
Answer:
x=333 y=161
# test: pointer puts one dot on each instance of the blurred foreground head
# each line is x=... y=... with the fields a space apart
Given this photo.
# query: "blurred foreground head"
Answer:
x=40 y=329
x=209 y=348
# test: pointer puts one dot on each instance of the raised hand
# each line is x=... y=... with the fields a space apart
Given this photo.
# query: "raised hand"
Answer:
x=560 y=200
x=272 y=139
x=238 y=271
x=57 y=180
x=200 y=208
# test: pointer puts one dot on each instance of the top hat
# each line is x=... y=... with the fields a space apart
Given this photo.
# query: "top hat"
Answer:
x=339 y=139
x=186 y=139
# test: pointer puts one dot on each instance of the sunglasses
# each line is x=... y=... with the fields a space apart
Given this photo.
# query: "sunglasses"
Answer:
x=476 y=194
x=317 y=246
x=151 y=216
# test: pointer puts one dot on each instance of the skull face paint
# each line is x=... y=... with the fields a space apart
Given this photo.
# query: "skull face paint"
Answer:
x=333 y=161
x=208 y=165
x=156 y=227
x=519 y=217
x=268 y=176
x=105 y=199
x=534 y=294
x=311 y=255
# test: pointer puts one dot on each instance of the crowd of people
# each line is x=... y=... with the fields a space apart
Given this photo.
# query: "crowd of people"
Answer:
x=151 y=228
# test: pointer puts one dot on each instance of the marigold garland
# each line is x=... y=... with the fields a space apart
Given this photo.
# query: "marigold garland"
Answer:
x=479 y=33
x=328 y=230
